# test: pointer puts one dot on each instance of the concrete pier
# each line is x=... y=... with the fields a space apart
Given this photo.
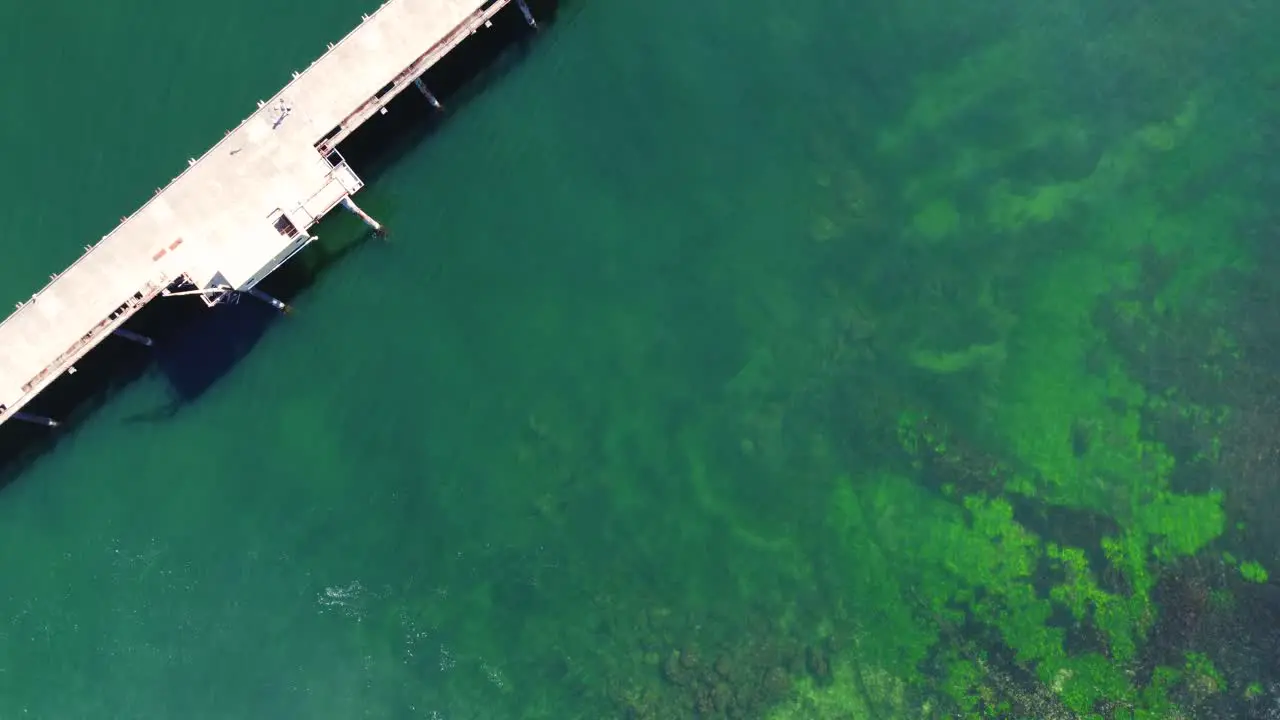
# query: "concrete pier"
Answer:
x=242 y=209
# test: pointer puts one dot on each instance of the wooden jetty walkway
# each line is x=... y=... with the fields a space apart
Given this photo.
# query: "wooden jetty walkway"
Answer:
x=243 y=208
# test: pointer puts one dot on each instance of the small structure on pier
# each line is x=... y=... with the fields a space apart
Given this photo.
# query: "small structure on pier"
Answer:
x=246 y=206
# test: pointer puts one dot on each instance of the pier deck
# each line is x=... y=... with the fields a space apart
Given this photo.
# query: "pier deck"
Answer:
x=245 y=206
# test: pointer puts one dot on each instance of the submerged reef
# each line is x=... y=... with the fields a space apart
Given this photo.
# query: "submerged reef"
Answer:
x=998 y=438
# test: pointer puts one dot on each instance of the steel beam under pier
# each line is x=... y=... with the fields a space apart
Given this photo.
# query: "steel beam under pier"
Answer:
x=36 y=419
x=131 y=335
x=426 y=93
x=528 y=14
x=351 y=206
x=277 y=304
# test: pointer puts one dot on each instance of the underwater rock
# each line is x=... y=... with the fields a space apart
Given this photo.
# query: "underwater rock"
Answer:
x=775 y=684
x=722 y=666
x=689 y=657
x=818 y=664
x=722 y=697
x=673 y=670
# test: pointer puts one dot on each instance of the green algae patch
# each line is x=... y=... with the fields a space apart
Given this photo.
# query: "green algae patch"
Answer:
x=1183 y=524
x=937 y=220
x=925 y=563
x=1166 y=136
x=948 y=363
x=1253 y=572
x=864 y=521
x=852 y=693
x=945 y=98
x=1069 y=412
x=1010 y=211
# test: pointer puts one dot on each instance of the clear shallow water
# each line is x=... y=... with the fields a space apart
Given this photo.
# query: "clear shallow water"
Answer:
x=630 y=385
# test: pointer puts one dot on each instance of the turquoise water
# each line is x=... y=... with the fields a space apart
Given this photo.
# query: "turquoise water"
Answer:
x=638 y=413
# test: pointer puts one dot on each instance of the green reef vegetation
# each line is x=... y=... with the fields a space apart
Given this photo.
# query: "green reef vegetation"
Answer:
x=998 y=455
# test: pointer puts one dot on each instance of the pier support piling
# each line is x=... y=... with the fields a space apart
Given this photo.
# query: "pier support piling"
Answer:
x=273 y=302
x=131 y=335
x=36 y=419
x=528 y=14
x=350 y=204
x=426 y=93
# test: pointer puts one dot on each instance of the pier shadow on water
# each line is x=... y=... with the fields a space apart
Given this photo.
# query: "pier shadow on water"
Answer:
x=474 y=65
x=196 y=346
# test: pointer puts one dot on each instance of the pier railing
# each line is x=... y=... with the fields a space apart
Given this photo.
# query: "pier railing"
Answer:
x=86 y=342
